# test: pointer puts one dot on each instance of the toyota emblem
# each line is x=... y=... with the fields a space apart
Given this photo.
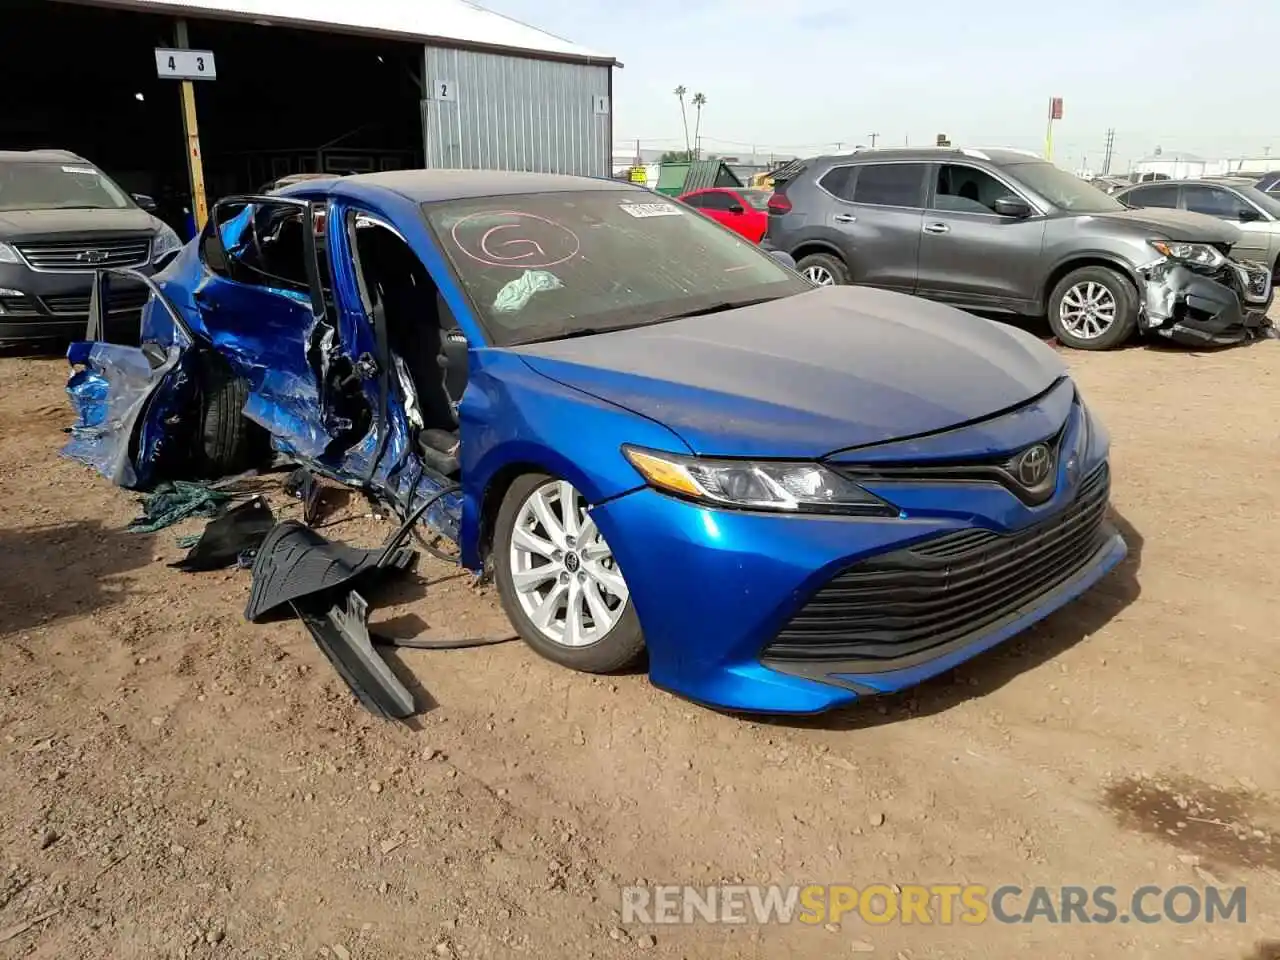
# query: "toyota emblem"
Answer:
x=1033 y=465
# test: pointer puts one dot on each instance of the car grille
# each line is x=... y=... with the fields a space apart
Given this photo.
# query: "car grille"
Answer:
x=902 y=603
x=71 y=305
x=86 y=254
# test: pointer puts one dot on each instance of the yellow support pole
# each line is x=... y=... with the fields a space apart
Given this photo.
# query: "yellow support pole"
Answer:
x=195 y=165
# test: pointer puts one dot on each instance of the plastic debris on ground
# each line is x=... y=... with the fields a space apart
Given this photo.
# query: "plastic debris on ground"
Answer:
x=231 y=539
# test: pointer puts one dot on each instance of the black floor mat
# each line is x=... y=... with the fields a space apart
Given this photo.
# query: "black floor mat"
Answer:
x=239 y=531
x=295 y=561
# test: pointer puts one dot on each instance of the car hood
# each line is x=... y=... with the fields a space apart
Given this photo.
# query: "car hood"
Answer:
x=48 y=224
x=1176 y=225
x=801 y=377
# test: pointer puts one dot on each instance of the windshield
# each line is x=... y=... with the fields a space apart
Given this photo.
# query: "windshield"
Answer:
x=1064 y=190
x=26 y=185
x=1265 y=200
x=757 y=198
x=543 y=266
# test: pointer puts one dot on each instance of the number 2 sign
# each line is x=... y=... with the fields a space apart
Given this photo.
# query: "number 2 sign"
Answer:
x=444 y=90
x=185 y=64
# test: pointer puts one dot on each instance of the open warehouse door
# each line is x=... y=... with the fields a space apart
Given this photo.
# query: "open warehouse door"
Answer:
x=285 y=100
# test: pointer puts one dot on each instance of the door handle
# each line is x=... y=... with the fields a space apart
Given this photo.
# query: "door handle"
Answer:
x=936 y=228
x=844 y=218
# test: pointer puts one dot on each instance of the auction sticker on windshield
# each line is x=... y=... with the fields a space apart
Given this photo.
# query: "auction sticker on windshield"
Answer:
x=642 y=210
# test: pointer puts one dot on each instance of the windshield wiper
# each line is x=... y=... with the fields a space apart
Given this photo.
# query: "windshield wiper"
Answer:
x=719 y=307
x=570 y=334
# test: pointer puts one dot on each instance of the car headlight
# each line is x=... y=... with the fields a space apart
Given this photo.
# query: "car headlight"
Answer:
x=1199 y=254
x=756 y=485
x=8 y=254
x=164 y=243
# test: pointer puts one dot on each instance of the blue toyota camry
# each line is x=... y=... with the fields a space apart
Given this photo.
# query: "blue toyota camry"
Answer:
x=657 y=439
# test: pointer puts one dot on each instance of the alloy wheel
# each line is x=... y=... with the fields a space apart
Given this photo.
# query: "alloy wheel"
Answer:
x=819 y=275
x=564 y=573
x=1088 y=310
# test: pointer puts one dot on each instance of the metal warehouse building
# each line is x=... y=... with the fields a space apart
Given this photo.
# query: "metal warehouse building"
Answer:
x=299 y=86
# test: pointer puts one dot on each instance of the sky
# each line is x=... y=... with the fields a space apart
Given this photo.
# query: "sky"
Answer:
x=801 y=76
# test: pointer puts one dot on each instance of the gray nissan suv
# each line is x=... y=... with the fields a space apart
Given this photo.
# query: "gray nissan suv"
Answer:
x=1007 y=232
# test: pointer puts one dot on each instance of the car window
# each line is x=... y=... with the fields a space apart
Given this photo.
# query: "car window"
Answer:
x=695 y=200
x=757 y=199
x=546 y=265
x=1214 y=201
x=28 y=185
x=1266 y=201
x=1161 y=196
x=890 y=184
x=964 y=189
x=1064 y=190
x=838 y=181
x=262 y=245
x=717 y=201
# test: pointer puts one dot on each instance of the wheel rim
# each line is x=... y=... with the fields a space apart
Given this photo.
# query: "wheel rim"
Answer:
x=565 y=577
x=820 y=275
x=1088 y=310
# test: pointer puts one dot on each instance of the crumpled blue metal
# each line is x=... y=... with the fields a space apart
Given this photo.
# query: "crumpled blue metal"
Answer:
x=112 y=388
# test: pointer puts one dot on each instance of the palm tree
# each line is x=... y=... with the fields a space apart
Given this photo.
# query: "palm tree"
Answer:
x=684 y=117
x=699 y=101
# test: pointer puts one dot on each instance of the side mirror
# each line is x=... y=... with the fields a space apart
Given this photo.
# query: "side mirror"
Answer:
x=145 y=202
x=1012 y=207
x=736 y=208
x=1249 y=215
x=784 y=258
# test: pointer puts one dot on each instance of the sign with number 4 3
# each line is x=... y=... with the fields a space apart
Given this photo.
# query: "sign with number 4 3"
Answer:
x=185 y=64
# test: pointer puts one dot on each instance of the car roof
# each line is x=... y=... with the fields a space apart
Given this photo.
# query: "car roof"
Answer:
x=428 y=186
x=41 y=156
x=1221 y=181
x=997 y=155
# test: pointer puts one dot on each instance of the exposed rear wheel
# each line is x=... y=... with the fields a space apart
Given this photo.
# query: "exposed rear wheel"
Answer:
x=226 y=442
x=558 y=581
x=1093 y=308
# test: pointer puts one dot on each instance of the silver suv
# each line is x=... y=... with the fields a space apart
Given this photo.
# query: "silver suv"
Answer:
x=1003 y=231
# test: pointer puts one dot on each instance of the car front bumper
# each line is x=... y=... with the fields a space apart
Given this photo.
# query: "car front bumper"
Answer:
x=38 y=305
x=722 y=595
x=1219 y=308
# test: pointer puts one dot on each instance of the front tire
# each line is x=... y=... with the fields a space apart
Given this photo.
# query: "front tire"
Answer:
x=1093 y=308
x=823 y=269
x=558 y=581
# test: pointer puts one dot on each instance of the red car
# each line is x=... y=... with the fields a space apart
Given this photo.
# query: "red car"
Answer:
x=741 y=209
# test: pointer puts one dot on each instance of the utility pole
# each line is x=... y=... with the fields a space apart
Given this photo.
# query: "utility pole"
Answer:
x=1106 y=158
x=839 y=146
x=874 y=138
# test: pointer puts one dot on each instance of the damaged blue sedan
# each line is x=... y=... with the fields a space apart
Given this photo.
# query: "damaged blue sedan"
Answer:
x=656 y=438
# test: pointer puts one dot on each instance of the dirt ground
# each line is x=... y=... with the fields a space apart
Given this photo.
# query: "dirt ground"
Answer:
x=175 y=782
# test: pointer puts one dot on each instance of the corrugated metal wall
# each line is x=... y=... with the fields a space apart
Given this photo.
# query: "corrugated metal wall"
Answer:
x=492 y=112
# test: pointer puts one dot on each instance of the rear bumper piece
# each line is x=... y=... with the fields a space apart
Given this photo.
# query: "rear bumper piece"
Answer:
x=1222 y=308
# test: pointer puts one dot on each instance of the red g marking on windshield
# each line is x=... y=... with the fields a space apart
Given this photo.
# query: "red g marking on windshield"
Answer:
x=527 y=241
